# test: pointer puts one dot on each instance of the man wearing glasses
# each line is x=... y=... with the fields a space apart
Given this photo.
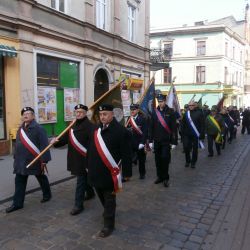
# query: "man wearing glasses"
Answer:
x=31 y=139
x=193 y=131
x=78 y=143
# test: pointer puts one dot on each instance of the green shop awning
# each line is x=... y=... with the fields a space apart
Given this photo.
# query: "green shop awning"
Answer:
x=7 y=51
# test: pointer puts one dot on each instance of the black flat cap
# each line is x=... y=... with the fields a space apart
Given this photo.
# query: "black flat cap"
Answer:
x=27 y=109
x=81 y=106
x=134 y=106
x=106 y=107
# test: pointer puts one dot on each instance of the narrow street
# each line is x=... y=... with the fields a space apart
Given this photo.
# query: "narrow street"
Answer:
x=204 y=208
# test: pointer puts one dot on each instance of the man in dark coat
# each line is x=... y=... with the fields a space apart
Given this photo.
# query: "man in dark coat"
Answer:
x=31 y=139
x=245 y=121
x=162 y=134
x=109 y=148
x=193 y=130
x=137 y=124
x=78 y=142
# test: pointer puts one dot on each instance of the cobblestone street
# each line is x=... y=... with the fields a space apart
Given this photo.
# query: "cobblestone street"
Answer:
x=204 y=208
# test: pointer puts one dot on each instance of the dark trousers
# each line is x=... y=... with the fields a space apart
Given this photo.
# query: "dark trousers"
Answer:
x=162 y=159
x=108 y=200
x=210 y=144
x=244 y=127
x=224 y=138
x=82 y=187
x=231 y=134
x=191 y=143
x=20 y=188
x=141 y=155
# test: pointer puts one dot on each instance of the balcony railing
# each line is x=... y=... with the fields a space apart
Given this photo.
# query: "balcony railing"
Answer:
x=159 y=59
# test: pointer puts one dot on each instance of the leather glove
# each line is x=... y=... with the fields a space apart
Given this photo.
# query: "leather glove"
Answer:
x=141 y=146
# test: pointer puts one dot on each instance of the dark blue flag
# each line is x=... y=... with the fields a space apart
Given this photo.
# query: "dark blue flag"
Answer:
x=147 y=102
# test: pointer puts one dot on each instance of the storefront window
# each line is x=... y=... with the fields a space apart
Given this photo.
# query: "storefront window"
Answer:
x=58 y=89
x=2 y=109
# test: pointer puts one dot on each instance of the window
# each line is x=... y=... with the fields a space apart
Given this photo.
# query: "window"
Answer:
x=101 y=14
x=226 y=48
x=167 y=75
x=131 y=23
x=225 y=75
x=233 y=55
x=200 y=74
x=240 y=56
x=59 y=5
x=168 y=49
x=201 y=48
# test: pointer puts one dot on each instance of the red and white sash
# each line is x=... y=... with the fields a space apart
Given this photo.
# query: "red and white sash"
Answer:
x=32 y=148
x=162 y=121
x=108 y=160
x=76 y=144
x=135 y=126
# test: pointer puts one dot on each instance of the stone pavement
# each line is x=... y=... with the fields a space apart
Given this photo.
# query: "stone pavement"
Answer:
x=204 y=208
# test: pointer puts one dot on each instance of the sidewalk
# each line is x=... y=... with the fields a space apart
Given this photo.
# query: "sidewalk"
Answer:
x=56 y=167
x=204 y=208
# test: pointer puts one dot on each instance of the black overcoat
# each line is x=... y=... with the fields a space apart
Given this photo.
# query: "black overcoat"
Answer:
x=77 y=163
x=118 y=141
x=22 y=156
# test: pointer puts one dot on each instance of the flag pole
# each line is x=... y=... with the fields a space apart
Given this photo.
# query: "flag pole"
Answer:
x=51 y=144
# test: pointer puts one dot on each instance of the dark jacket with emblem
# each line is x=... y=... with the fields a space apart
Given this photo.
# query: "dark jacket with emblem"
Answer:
x=77 y=163
x=118 y=141
x=199 y=121
x=22 y=156
x=158 y=133
x=211 y=128
x=137 y=138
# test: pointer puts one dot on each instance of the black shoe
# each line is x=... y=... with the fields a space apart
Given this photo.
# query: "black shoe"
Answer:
x=43 y=200
x=89 y=196
x=76 y=210
x=218 y=153
x=210 y=155
x=142 y=177
x=158 y=180
x=12 y=208
x=192 y=165
x=186 y=165
x=166 y=183
x=105 y=232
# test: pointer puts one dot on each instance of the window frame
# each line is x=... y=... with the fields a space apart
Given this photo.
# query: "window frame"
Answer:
x=131 y=22
x=201 y=48
x=200 y=74
x=101 y=21
x=57 y=5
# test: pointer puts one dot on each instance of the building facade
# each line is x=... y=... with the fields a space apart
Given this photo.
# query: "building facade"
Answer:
x=207 y=60
x=67 y=51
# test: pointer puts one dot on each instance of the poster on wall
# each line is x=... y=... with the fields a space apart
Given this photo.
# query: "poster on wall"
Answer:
x=126 y=101
x=71 y=99
x=46 y=104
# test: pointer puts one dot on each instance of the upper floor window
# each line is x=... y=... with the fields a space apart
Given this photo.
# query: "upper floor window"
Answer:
x=233 y=53
x=226 y=75
x=168 y=49
x=201 y=48
x=59 y=5
x=101 y=14
x=167 y=75
x=131 y=23
x=226 y=48
x=200 y=74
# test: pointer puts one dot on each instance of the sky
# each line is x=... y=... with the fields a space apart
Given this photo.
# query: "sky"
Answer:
x=175 y=13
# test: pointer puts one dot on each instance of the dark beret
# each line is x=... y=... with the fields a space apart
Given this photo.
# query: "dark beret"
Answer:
x=27 y=109
x=161 y=97
x=134 y=106
x=81 y=106
x=106 y=107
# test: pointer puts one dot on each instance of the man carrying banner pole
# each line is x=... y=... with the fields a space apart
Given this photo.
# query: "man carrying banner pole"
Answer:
x=110 y=147
x=78 y=141
x=193 y=132
x=30 y=141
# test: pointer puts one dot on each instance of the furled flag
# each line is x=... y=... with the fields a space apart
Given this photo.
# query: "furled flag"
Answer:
x=147 y=101
x=220 y=104
x=172 y=100
x=113 y=96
